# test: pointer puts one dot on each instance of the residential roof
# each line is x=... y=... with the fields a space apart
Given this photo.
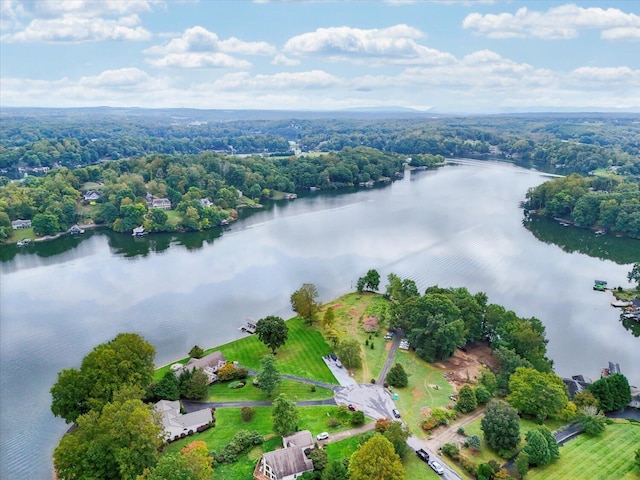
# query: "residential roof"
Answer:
x=288 y=461
x=175 y=423
x=301 y=439
x=214 y=360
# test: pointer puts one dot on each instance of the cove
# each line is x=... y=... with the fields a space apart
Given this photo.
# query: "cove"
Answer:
x=456 y=226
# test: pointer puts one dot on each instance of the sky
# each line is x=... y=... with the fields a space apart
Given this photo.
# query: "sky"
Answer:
x=447 y=56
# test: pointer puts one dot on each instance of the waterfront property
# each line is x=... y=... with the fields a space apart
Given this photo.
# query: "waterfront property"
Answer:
x=288 y=462
x=177 y=425
x=20 y=224
x=210 y=364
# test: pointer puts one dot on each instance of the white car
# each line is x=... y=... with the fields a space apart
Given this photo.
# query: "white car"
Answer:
x=437 y=468
x=322 y=436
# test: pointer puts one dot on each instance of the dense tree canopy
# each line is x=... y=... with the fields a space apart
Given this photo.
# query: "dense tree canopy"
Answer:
x=376 y=460
x=125 y=360
x=268 y=378
x=537 y=394
x=612 y=392
x=191 y=463
x=284 y=415
x=501 y=426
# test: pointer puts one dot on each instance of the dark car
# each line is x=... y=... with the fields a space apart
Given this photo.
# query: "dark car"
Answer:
x=351 y=407
x=334 y=357
x=422 y=455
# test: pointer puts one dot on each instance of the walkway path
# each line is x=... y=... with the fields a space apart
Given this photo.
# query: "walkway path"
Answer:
x=190 y=406
x=391 y=355
x=450 y=433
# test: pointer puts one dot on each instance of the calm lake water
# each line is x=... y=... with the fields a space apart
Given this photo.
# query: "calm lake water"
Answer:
x=457 y=226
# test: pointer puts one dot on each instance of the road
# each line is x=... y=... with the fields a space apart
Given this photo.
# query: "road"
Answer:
x=449 y=473
x=391 y=355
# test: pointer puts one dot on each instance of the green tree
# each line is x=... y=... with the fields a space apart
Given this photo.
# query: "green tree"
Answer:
x=371 y=281
x=269 y=379
x=400 y=290
x=474 y=442
x=191 y=463
x=376 y=460
x=357 y=418
x=501 y=427
x=196 y=351
x=522 y=463
x=349 y=353
x=482 y=394
x=168 y=387
x=304 y=302
x=592 y=420
x=466 y=399
x=45 y=224
x=319 y=458
x=552 y=443
x=397 y=377
x=538 y=394
x=194 y=385
x=158 y=220
x=585 y=399
x=329 y=318
x=537 y=448
x=488 y=380
x=118 y=442
x=637 y=458
x=125 y=360
x=634 y=275
x=272 y=331
x=397 y=433
x=612 y=392
x=336 y=470
x=284 y=415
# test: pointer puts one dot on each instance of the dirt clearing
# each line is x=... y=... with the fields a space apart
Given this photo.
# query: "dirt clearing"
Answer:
x=464 y=367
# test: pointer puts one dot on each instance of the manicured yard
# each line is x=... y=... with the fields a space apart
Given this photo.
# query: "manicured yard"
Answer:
x=427 y=389
x=300 y=356
x=609 y=456
x=220 y=392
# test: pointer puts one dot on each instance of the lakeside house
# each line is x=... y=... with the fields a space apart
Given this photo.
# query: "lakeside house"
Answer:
x=139 y=231
x=205 y=203
x=91 y=196
x=210 y=364
x=177 y=425
x=20 y=224
x=288 y=462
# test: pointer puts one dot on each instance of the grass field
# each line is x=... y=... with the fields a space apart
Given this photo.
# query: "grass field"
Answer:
x=421 y=393
x=608 y=457
x=301 y=355
x=220 y=392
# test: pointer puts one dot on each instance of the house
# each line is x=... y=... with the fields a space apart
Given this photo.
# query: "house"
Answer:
x=75 y=230
x=205 y=202
x=19 y=224
x=177 y=425
x=209 y=365
x=287 y=463
x=91 y=196
x=161 y=203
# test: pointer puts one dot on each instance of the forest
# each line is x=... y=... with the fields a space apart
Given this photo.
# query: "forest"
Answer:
x=206 y=164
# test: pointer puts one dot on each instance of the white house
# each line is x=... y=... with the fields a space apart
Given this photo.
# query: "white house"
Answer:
x=18 y=224
x=209 y=365
x=287 y=463
x=177 y=425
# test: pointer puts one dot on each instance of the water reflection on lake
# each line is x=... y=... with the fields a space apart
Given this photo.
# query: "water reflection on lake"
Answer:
x=457 y=226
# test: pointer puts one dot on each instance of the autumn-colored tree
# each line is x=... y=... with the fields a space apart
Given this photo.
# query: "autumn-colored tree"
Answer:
x=376 y=460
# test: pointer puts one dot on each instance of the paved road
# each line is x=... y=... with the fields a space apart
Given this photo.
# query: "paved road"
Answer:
x=391 y=355
x=449 y=473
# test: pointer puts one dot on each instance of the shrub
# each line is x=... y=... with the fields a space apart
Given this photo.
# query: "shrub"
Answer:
x=313 y=388
x=460 y=431
x=247 y=413
x=236 y=384
x=382 y=424
x=473 y=442
x=227 y=372
x=466 y=399
x=482 y=394
x=397 y=376
x=241 y=373
x=357 y=418
x=242 y=441
x=333 y=422
x=451 y=450
x=196 y=352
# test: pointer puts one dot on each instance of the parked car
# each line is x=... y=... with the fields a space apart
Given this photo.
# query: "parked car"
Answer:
x=437 y=468
x=422 y=455
x=338 y=364
x=322 y=436
x=351 y=407
x=396 y=413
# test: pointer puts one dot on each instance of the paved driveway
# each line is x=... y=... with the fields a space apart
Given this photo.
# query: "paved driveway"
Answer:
x=341 y=373
x=373 y=400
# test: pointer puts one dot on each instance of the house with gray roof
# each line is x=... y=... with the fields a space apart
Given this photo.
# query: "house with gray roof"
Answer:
x=287 y=463
x=19 y=224
x=177 y=425
x=209 y=365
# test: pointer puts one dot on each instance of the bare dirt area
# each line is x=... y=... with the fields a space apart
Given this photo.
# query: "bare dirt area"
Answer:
x=464 y=367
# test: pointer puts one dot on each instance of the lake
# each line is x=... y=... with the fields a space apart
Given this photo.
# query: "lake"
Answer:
x=456 y=226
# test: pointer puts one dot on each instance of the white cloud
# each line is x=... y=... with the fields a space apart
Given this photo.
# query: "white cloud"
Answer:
x=79 y=29
x=120 y=78
x=85 y=8
x=197 y=47
x=396 y=44
x=606 y=76
x=281 y=59
x=621 y=33
x=315 y=79
x=564 y=21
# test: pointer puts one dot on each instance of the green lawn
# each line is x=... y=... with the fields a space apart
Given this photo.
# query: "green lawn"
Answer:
x=608 y=457
x=421 y=391
x=220 y=392
x=300 y=356
x=487 y=453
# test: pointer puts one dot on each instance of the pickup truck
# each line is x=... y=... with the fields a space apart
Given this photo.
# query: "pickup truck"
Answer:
x=422 y=455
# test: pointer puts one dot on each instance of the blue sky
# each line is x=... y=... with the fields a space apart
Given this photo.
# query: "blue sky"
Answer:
x=445 y=56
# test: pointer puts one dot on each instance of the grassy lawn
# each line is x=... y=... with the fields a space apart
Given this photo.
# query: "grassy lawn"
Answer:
x=421 y=393
x=350 y=310
x=300 y=356
x=219 y=392
x=21 y=234
x=487 y=453
x=609 y=456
